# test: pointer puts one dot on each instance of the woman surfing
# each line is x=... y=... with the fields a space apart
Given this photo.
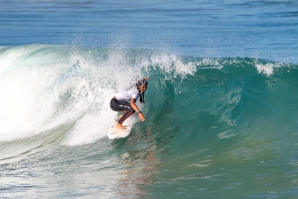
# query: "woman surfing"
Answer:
x=125 y=101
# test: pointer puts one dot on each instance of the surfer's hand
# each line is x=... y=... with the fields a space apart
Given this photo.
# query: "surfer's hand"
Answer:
x=141 y=116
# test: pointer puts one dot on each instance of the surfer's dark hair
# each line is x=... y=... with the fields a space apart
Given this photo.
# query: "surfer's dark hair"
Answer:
x=142 y=95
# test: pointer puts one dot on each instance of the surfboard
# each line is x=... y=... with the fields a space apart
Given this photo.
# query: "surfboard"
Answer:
x=119 y=133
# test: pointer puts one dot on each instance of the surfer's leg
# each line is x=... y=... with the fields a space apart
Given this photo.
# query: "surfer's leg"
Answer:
x=117 y=106
x=126 y=115
x=119 y=117
x=120 y=107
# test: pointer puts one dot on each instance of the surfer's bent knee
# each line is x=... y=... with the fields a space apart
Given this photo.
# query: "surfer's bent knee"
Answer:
x=118 y=106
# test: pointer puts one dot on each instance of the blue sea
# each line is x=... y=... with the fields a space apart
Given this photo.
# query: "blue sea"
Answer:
x=221 y=106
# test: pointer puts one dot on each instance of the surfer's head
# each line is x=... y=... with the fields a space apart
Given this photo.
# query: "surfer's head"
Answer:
x=142 y=86
x=145 y=82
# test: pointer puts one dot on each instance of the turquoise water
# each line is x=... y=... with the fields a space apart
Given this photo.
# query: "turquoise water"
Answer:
x=221 y=106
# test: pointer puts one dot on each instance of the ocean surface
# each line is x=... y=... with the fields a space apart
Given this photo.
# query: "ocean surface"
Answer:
x=221 y=106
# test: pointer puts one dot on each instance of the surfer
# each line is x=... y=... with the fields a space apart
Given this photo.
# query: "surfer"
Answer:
x=125 y=101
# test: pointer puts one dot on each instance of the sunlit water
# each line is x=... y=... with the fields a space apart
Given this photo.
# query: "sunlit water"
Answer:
x=221 y=106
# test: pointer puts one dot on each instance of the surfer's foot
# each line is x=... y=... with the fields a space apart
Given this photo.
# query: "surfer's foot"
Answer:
x=119 y=126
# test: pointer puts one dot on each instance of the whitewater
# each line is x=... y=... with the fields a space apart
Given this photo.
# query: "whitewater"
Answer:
x=45 y=86
x=221 y=104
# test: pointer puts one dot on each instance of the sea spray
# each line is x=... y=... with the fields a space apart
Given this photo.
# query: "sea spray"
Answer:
x=45 y=86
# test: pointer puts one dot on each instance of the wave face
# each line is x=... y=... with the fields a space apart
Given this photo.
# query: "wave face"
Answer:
x=221 y=125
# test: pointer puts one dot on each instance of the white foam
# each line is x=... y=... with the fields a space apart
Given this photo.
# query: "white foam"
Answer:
x=266 y=69
x=25 y=102
x=172 y=66
x=90 y=128
x=42 y=92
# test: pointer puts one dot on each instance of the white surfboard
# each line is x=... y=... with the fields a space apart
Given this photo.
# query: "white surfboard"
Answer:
x=115 y=133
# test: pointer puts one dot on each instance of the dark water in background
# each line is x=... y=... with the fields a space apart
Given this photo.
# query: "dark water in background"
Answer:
x=206 y=28
x=221 y=106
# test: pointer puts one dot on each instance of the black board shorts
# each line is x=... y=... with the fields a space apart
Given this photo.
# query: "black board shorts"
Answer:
x=120 y=106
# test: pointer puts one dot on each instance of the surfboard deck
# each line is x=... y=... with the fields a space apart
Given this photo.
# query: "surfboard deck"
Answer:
x=119 y=133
